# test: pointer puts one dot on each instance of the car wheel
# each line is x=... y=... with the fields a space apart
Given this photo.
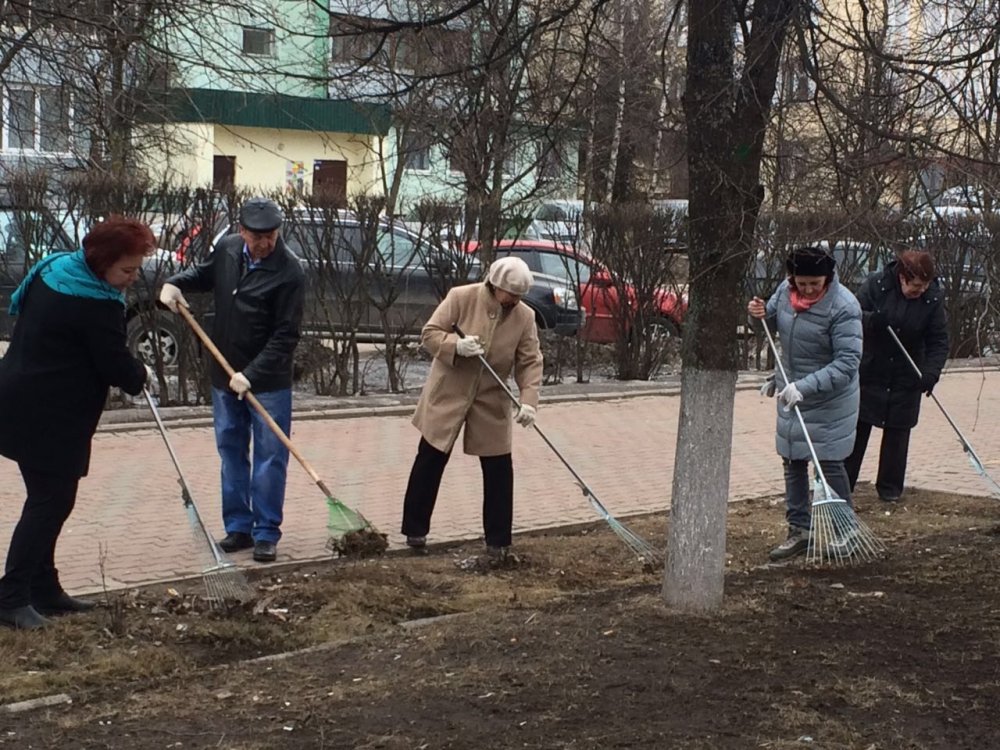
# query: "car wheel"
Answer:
x=141 y=341
x=663 y=338
x=665 y=329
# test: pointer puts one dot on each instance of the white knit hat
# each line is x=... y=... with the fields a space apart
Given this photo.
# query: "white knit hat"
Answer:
x=511 y=274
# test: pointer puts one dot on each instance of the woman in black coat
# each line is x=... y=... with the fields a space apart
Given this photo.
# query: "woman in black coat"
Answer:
x=67 y=348
x=907 y=296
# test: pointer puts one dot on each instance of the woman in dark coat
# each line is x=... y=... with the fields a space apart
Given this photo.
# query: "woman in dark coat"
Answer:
x=68 y=347
x=907 y=296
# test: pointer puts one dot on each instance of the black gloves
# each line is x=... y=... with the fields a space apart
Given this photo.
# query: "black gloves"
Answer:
x=927 y=382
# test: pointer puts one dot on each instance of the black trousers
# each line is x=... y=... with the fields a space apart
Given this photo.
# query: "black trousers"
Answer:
x=31 y=574
x=425 y=481
x=891 y=459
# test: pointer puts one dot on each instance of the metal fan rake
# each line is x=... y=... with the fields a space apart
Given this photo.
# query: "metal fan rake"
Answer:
x=836 y=535
x=648 y=555
x=224 y=581
x=970 y=453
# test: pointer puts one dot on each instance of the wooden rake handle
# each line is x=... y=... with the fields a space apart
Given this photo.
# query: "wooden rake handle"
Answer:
x=257 y=405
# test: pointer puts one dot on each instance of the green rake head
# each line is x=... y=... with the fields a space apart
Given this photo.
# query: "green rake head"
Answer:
x=351 y=534
x=343 y=520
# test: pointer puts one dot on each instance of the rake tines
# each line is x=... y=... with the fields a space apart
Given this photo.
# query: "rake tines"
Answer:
x=225 y=582
x=647 y=554
x=836 y=535
x=351 y=534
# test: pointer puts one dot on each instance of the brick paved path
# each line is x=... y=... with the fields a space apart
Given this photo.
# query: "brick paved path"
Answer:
x=623 y=448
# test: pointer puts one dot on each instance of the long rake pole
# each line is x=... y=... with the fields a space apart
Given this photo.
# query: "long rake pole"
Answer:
x=802 y=421
x=832 y=518
x=634 y=541
x=254 y=402
x=966 y=445
x=224 y=580
x=335 y=506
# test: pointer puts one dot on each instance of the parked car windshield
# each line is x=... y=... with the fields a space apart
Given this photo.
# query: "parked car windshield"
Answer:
x=556 y=264
x=398 y=250
x=323 y=242
x=319 y=242
x=44 y=235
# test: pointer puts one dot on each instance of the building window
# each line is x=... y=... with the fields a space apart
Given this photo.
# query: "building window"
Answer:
x=258 y=41
x=455 y=160
x=352 y=42
x=550 y=162
x=415 y=150
x=510 y=161
x=797 y=85
x=36 y=120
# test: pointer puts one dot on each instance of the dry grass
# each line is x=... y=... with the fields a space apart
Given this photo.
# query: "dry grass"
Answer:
x=577 y=643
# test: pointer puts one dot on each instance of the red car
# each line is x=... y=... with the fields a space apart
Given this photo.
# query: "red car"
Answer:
x=598 y=295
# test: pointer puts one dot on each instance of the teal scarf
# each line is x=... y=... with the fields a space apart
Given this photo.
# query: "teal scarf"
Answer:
x=66 y=273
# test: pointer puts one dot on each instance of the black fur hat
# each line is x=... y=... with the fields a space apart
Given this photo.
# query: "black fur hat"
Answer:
x=810 y=261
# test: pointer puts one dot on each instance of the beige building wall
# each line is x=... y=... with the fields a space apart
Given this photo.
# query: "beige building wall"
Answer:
x=269 y=159
x=183 y=155
x=266 y=158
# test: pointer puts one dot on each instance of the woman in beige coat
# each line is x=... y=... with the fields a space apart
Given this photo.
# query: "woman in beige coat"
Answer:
x=459 y=392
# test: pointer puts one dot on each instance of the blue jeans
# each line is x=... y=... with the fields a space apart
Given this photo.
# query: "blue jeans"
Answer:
x=798 y=488
x=252 y=498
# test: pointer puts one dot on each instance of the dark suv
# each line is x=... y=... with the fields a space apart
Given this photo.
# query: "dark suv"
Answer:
x=400 y=279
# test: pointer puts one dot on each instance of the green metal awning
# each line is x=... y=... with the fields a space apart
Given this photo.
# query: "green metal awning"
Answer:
x=254 y=110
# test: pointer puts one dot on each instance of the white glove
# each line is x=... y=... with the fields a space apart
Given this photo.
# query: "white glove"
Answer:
x=171 y=296
x=469 y=346
x=151 y=384
x=239 y=384
x=525 y=415
x=767 y=390
x=789 y=396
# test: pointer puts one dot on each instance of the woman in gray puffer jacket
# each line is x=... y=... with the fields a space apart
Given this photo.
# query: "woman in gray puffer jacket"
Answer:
x=819 y=324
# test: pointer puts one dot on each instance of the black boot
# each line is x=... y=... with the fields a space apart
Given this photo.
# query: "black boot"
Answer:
x=22 y=618
x=62 y=604
x=265 y=551
x=235 y=541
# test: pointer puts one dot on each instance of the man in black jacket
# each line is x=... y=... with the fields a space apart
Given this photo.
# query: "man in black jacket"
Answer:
x=259 y=289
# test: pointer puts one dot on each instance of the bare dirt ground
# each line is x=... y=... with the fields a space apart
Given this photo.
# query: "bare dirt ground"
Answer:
x=574 y=649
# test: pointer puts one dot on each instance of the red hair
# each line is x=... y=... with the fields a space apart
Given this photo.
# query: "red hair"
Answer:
x=916 y=264
x=113 y=239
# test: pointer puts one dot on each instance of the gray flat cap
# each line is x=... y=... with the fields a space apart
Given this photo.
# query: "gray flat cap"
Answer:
x=260 y=215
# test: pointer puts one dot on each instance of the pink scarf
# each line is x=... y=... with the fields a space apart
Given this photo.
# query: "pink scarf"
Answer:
x=801 y=304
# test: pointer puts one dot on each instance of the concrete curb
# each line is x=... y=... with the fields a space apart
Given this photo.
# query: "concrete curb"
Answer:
x=202 y=416
x=129 y=420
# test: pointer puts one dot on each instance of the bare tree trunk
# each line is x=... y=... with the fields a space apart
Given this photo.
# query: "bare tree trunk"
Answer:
x=654 y=184
x=702 y=460
x=616 y=134
x=391 y=184
x=726 y=127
